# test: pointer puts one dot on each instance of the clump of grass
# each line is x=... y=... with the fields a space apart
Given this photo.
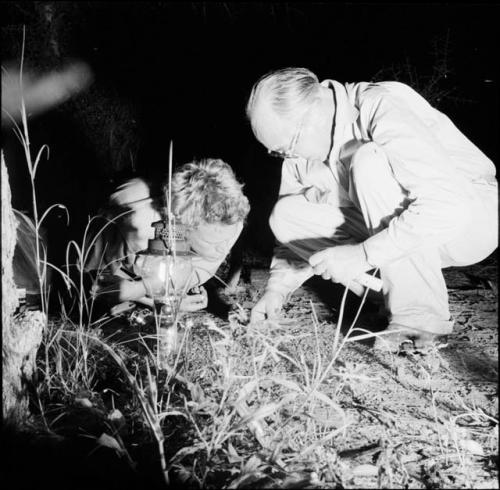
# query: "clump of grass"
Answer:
x=274 y=397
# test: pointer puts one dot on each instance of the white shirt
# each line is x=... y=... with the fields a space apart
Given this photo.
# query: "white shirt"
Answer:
x=431 y=159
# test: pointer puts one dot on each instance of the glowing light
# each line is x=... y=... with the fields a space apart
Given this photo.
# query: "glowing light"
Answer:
x=162 y=271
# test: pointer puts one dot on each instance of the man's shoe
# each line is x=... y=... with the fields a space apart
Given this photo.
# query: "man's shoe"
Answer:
x=402 y=338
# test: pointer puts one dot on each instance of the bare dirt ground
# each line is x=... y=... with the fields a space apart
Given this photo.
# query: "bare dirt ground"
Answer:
x=416 y=419
x=264 y=405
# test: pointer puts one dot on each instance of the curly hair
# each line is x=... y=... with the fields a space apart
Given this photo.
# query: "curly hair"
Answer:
x=207 y=191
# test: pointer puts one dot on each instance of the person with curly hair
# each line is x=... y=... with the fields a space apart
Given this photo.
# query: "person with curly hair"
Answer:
x=206 y=198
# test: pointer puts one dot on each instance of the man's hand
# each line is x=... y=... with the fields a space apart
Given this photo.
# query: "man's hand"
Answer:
x=269 y=306
x=195 y=302
x=342 y=263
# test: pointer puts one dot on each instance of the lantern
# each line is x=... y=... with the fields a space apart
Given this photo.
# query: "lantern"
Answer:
x=167 y=269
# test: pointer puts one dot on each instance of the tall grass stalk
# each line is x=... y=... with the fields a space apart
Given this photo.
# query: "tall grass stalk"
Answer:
x=82 y=257
x=319 y=374
x=23 y=136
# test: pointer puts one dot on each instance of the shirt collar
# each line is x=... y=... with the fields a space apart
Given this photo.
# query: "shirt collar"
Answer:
x=345 y=115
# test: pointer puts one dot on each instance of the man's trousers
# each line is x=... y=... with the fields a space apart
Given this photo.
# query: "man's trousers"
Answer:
x=414 y=289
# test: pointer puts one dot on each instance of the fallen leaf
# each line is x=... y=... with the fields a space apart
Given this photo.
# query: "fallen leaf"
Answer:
x=365 y=470
x=255 y=479
x=117 y=418
x=251 y=465
x=472 y=447
x=183 y=452
x=109 y=441
x=115 y=415
x=246 y=390
x=83 y=402
x=232 y=455
x=296 y=480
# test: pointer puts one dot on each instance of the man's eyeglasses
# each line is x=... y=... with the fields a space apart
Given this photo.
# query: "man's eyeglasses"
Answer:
x=289 y=153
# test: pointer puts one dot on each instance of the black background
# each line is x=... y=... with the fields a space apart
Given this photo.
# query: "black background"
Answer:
x=186 y=69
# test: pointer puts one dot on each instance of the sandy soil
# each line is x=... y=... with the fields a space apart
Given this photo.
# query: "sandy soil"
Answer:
x=417 y=419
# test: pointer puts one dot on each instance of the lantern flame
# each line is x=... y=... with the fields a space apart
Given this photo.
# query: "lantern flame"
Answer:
x=168 y=261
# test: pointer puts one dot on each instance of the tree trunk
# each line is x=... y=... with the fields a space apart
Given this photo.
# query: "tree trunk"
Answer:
x=22 y=334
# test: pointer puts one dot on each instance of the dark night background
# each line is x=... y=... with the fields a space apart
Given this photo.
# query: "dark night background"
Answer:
x=183 y=71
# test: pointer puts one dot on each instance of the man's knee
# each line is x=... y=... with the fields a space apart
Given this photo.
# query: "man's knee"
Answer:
x=369 y=163
x=284 y=213
x=477 y=241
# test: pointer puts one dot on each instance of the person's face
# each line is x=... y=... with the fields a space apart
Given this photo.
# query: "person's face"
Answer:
x=309 y=137
x=138 y=219
x=213 y=241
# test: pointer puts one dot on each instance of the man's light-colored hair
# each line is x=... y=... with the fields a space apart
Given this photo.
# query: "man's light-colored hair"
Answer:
x=289 y=91
x=207 y=191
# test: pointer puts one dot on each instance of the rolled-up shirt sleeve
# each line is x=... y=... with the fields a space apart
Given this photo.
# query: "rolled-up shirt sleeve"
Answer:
x=438 y=195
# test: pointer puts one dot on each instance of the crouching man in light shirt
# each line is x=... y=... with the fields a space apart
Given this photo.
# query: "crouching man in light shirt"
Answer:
x=373 y=177
x=206 y=198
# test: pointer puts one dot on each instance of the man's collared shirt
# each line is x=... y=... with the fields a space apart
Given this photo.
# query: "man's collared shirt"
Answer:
x=438 y=167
